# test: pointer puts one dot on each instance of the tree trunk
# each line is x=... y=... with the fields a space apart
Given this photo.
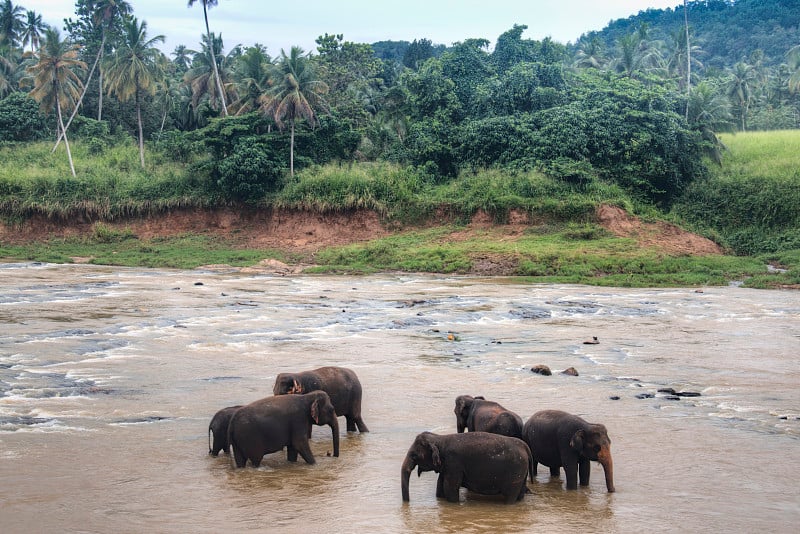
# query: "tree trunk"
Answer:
x=688 y=58
x=83 y=93
x=214 y=64
x=141 y=133
x=291 y=151
x=66 y=141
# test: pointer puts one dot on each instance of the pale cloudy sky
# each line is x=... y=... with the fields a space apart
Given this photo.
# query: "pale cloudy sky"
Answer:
x=280 y=25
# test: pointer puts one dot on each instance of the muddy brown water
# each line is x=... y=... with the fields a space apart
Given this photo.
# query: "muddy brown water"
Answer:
x=109 y=378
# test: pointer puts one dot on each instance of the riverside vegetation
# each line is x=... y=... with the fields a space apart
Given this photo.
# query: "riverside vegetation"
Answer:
x=748 y=205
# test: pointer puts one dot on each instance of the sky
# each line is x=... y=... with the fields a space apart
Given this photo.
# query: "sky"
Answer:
x=281 y=25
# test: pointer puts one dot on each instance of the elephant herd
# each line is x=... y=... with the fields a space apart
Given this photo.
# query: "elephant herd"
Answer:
x=495 y=457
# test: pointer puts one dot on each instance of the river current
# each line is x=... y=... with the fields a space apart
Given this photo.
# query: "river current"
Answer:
x=110 y=376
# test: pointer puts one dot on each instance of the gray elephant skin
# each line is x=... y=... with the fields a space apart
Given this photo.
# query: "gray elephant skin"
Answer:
x=477 y=414
x=341 y=384
x=218 y=430
x=485 y=463
x=559 y=439
x=272 y=423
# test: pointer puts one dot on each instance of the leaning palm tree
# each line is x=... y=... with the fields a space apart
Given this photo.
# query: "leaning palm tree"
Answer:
x=104 y=14
x=56 y=85
x=294 y=95
x=202 y=75
x=134 y=69
x=32 y=31
x=221 y=92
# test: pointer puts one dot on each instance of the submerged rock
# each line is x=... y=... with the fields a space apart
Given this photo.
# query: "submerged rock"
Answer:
x=541 y=370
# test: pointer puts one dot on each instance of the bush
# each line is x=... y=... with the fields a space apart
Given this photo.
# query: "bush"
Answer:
x=21 y=119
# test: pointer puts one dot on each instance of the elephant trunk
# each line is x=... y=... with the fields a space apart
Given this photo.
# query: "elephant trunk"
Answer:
x=405 y=475
x=604 y=457
x=335 y=431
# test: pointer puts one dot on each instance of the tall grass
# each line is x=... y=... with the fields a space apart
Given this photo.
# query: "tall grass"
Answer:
x=753 y=199
x=109 y=185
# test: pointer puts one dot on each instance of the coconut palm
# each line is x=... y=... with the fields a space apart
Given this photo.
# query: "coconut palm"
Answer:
x=32 y=31
x=589 y=54
x=134 y=69
x=11 y=22
x=202 y=76
x=104 y=15
x=9 y=69
x=56 y=85
x=252 y=75
x=220 y=91
x=740 y=89
x=793 y=57
x=182 y=58
x=295 y=94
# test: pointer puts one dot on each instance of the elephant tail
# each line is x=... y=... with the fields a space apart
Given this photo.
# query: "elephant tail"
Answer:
x=531 y=463
x=209 y=439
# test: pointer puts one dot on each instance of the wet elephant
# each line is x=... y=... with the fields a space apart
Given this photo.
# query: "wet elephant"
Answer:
x=559 y=439
x=218 y=429
x=272 y=423
x=341 y=384
x=489 y=464
x=478 y=414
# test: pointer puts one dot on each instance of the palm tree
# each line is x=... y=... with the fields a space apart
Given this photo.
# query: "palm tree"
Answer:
x=252 y=75
x=104 y=13
x=708 y=111
x=294 y=95
x=32 y=31
x=740 y=88
x=11 y=22
x=135 y=68
x=202 y=76
x=589 y=54
x=793 y=57
x=207 y=4
x=182 y=58
x=9 y=68
x=56 y=85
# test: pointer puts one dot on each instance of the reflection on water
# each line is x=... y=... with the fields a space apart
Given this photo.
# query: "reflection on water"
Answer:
x=109 y=378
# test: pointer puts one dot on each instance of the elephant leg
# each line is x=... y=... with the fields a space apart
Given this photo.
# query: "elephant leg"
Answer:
x=555 y=472
x=291 y=453
x=239 y=457
x=440 y=486
x=450 y=487
x=362 y=427
x=571 y=470
x=256 y=461
x=305 y=451
x=584 y=469
x=351 y=423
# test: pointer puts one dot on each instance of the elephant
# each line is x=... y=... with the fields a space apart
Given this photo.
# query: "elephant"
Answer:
x=478 y=414
x=272 y=423
x=218 y=428
x=559 y=439
x=341 y=384
x=486 y=463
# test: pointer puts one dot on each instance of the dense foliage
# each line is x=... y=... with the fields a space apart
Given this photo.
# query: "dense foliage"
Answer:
x=636 y=106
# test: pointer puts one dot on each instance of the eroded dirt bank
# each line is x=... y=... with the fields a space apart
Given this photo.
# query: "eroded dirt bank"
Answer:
x=308 y=232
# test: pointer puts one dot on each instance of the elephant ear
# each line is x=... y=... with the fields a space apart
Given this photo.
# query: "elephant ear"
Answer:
x=576 y=443
x=479 y=397
x=315 y=411
x=435 y=457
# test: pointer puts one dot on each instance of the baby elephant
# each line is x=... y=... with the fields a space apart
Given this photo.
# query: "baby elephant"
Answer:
x=270 y=424
x=559 y=439
x=478 y=414
x=341 y=385
x=218 y=429
x=485 y=463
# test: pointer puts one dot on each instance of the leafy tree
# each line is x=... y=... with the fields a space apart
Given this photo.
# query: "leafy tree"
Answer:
x=56 y=85
x=21 y=119
x=431 y=93
x=134 y=69
x=468 y=64
x=212 y=53
x=418 y=52
x=295 y=95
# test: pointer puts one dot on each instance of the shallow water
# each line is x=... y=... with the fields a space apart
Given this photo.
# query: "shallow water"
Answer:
x=109 y=378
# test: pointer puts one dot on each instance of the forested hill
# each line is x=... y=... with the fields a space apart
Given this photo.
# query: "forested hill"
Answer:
x=726 y=32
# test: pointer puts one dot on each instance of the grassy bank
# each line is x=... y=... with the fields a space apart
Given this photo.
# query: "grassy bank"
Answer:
x=562 y=243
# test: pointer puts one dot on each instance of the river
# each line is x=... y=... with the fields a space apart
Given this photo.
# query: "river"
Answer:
x=109 y=378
